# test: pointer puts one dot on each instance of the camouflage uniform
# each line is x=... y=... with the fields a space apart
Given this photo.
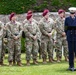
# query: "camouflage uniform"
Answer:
x=31 y=29
x=1 y=42
x=39 y=35
x=61 y=40
x=46 y=42
x=4 y=41
x=14 y=29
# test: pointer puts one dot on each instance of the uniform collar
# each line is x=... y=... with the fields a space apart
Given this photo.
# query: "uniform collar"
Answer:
x=73 y=18
x=13 y=22
x=46 y=20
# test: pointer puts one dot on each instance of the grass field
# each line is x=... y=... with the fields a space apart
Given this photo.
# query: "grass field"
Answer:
x=40 y=69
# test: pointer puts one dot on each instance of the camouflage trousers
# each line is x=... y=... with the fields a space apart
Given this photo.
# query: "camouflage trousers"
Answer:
x=31 y=49
x=65 y=47
x=47 y=48
x=40 y=50
x=14 y=46
x=4 y=46
x=58 y=47
x=1 y=50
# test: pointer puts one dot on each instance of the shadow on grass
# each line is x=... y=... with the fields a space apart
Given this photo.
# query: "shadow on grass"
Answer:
x=40 y=63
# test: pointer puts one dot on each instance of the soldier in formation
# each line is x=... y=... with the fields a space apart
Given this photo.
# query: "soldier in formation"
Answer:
x=60 y=36
x=14 y=29
x=31 y=31
x=38 y=37
x=1 y=42
x=46 y=26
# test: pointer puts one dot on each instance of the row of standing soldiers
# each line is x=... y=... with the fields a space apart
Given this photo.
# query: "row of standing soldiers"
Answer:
x=38 y=37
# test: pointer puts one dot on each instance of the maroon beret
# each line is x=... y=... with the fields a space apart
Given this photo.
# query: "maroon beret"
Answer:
x=29 y=12
x=45 y=12
x=60 y=11
x=12 y=15
x=28 y=16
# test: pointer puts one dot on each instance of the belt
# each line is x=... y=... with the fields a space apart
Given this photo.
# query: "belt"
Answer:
x=33 y=34
x=71 y=27
x=49 y=32
x=15 y=34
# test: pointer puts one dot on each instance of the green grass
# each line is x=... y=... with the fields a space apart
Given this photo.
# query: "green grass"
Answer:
x=40 y=69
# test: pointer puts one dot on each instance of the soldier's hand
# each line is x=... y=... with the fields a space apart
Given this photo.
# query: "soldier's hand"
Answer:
x=34 y=37
x=55 y=41
x=15 y=38
x=63 y=34
x=50 y=34
x=5 y=27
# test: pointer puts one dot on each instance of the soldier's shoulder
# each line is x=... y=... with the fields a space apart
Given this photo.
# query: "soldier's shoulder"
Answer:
x=18 y=23
x=8 y=23
x=1 y=23
x=25 y=21
x=35 y=21
x=57 y=19
x=51 y=20
x=26 y=24
x=67 y=17
x=41 y=20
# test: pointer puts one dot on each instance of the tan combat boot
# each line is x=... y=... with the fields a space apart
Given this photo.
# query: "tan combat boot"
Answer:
x=50 y=60
x=28 y=63
x=66 y=59
x=10 y=63
x=0 y=63
x=14 y=63
x=19 y=63
x=44 y=61
x=35 y=62
x=58 y=59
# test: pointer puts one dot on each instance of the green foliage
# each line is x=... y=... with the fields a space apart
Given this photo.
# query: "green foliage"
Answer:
x=22 y=6
x=18 y=6
x=55 y=2
x=41 y=7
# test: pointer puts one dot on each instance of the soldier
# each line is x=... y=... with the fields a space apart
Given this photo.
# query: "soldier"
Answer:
x=31 y=32
x=1 y=43
x=46 y=26
x=14 y=29
x=4 y=41
x=60 y=36
x=70 y=30
x=30 y=12
x=39 y=38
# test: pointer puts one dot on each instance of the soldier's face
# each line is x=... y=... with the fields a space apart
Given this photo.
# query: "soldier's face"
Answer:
x=47 y=15
x=14 y=18
x=30 y=19
x=62 y=14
